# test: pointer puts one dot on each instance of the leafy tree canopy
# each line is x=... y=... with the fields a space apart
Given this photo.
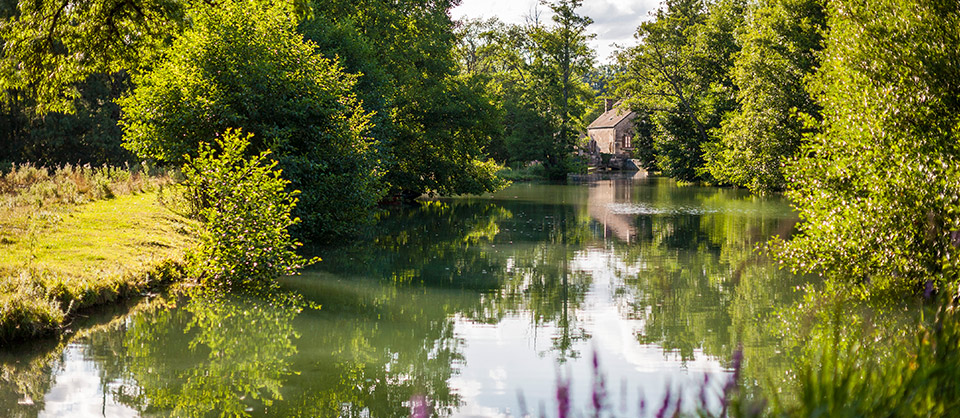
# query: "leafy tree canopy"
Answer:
x=780 y=41
x=433 y=124
x=52 y=46
x=679 y=74
x=243 y=65
x=878 y=188
x=539 y=73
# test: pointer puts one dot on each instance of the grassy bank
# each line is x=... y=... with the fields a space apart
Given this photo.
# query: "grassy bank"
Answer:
x=76 y=237
x=520 y=173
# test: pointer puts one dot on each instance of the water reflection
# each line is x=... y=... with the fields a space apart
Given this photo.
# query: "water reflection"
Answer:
x=464 y=302
x=216 y=353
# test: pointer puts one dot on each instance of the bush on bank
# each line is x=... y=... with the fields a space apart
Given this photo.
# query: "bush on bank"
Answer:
x=244 y=212
x=878 y=189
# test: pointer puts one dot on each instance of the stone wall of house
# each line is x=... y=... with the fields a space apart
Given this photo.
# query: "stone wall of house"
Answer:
x=605 y=139
x=610 y=140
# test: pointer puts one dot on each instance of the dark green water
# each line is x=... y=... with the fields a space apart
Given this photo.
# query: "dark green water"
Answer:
x=468 y=303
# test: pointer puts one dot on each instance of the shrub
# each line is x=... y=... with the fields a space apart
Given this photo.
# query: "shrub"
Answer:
x=244 y=213
x=243 y=65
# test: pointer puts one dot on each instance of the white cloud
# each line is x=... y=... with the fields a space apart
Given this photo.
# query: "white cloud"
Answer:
x=615 y=21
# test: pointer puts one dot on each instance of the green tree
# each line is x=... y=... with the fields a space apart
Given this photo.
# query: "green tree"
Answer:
x=434 y=125
x=538 y=73
x=561 y=63
x=679 y=72
x=780 y=45
x=878 y=189
x=243 y=65
x=51 y=47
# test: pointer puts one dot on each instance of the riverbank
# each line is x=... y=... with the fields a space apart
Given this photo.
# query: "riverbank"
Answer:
x=523 y=174
x=77 y=237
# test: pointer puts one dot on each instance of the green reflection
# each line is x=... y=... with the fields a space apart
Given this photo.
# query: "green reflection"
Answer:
x=701 y=282
x=215 y=355
x=513 y=251
x=682 y=260
x=372 y=348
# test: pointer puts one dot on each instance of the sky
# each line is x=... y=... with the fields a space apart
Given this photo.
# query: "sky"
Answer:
x=614 y=21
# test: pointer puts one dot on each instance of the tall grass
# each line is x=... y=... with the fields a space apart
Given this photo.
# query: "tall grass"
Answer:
x=918 y=377
x=33 y=197
x=30 y=185
x=530 y=172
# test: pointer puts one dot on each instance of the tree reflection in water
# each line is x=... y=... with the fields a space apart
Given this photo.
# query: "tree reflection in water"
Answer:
x=680 y=262
x=224 y=353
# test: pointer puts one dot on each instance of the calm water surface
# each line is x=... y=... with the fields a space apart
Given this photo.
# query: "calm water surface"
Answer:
x=475 y=305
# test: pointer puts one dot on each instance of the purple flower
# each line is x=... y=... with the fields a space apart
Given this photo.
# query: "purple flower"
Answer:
x=731 y=387
x=563 y=397
x=419 y=406
x=666 y=403
x=599 y=387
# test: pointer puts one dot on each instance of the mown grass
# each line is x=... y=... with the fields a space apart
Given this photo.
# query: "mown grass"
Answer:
x=75 y=237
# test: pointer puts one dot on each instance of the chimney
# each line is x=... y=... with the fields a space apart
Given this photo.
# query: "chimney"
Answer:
x=609 y=104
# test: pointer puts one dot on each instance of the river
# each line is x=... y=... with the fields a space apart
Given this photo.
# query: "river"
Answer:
x=474 y=307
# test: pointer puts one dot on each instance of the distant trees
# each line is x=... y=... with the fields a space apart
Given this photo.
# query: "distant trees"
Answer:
x=723 y=83
x=780 y=43
x=539 y=73
x=433 y=124
x=678 y=75
x=561 y=62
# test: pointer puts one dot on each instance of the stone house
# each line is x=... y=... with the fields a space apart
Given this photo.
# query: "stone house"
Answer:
x=612 y=132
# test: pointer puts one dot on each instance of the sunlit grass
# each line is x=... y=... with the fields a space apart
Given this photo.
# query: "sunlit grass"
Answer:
x=59 y=254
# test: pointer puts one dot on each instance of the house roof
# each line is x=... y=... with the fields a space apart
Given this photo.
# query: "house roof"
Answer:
x=611 y=118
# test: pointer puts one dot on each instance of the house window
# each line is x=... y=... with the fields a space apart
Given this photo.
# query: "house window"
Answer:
x=627 y=141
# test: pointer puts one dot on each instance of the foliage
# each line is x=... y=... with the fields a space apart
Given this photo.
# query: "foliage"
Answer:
x=644 y=148
x=50 y=47
x=89 y=135
x=561 y=61
x=679 y=73
x=856 y=356
x=244 y=215
x=243 y=65
x=780 y=42
x=442 y=149
x=878 y=189
x=530 y=172
x=433 y=125
x=537 y=73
